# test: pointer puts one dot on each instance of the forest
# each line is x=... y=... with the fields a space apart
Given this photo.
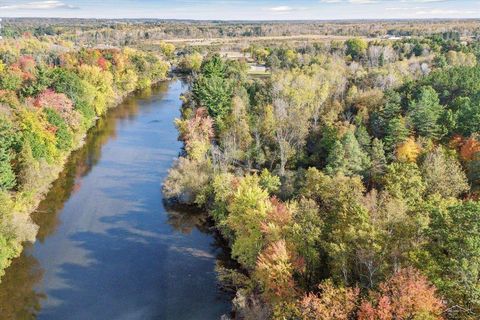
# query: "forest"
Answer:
x=346 y=183
x=51 y=94
x=120 y=32
x=344 y=178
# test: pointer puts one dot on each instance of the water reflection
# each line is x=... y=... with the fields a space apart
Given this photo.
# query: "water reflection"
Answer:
x=18 y=300
x=107 y=248
x=186 y=219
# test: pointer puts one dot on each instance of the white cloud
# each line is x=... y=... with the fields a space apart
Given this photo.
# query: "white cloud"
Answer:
x=404 y=8
x=423 y=1
x=38 y=5
x=351 y=1
x=379 y=1
x=281 y=9
x=363 y=1
x=445 y=12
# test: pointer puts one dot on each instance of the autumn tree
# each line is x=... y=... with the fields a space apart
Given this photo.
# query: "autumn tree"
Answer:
x=404 y=181
x=470 y=148
x=291 y=121
x=236 y=138
x=331 y=303
x=443 y=174
x=197 y=134
x=274 y=271
x=406 y=295
x=408 y=151
x=247 y=209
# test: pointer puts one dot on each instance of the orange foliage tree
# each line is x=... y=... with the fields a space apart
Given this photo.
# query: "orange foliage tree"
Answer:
x=406 y=295
x=331 y=303
x=470 y=148
x=274 y=271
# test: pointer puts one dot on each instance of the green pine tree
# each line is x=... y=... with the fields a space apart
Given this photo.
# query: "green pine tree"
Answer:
x=347 y=157
x=426 y=113
x=396 y=133
x=7 y=176
x=378 y=160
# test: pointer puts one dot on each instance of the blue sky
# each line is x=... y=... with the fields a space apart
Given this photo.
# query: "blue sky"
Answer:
x=243 y=9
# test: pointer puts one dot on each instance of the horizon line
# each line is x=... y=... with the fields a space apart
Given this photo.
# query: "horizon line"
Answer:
x=247 y=20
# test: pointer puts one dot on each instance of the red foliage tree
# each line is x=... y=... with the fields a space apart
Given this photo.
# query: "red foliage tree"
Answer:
x=278 y=217
x=199 y=128
x=27 y=64
x=60 y=103
x=103 y=63
x=50 y=99
x=406 y=295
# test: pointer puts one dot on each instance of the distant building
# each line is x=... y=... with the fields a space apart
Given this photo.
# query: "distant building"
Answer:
x=392 y=37
x=258 y=68
x=235 y=55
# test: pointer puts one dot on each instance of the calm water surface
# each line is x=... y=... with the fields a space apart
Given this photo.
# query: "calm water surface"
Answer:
x=107 y=247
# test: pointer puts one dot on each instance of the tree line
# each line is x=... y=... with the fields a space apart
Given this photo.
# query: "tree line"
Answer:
x=135 y=31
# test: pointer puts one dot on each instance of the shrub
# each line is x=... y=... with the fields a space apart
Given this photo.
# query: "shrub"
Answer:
x=39 y=135
x=62 y=133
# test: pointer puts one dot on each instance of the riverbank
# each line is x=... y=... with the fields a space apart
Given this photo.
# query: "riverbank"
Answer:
x=108 y=247
x=45 y=112
x=26 y=202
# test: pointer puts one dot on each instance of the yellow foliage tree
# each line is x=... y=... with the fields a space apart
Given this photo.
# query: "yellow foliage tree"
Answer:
x=408 y=151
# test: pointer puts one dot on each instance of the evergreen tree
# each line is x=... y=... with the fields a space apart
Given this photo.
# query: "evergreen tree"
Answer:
x=452 y=258
x=426 y=113
x=336 y=159
x=468 y=116
x=347 y=157
x=396 y=133
x=7 y=176
x=214 y=67
x=392 y=109
x=215 y=93
x=7 y=140
x=363 y=137
x=378 y=160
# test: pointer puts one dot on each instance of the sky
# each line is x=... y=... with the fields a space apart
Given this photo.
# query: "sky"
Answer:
x=243 y=9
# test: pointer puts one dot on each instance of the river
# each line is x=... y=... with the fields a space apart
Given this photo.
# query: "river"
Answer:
x=107 y=247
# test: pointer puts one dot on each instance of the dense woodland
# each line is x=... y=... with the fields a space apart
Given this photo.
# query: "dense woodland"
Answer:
x=51 y=93
x=345 y=179
x=346 y=183
x=137 y=31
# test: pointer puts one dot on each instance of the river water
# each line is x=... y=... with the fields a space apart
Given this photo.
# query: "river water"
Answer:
x=107 y=247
